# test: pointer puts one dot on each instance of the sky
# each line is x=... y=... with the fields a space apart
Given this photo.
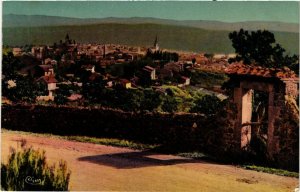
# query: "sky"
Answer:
x=205 y=10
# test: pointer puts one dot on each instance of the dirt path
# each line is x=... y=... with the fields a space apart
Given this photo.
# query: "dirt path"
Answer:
x=105 y=168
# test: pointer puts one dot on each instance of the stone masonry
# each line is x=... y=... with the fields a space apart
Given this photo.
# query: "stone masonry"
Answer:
x=283 y=119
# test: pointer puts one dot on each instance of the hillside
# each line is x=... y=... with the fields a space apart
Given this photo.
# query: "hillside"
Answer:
x=12 y=20
x=170 y=36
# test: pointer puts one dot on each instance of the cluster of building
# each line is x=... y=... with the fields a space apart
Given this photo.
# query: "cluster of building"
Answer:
x=103 y=55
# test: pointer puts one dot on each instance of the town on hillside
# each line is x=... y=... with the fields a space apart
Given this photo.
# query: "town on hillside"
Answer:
x=150 y=96
x=71 y=73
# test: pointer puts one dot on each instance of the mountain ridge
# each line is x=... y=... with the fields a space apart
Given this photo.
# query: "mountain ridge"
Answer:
x=15 y=20
x=170 y=36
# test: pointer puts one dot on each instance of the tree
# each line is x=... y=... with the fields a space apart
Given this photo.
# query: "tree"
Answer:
x=170 y=104
x=130 y=99
x=93 y=91
x=151 y=100
x=193 y=61
x=260 y=48
x=207 y=105
x=23 y=88
x=209 y=56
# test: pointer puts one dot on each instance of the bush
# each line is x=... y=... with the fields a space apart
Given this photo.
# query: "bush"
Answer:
x=169 y=105
x=27 y=170
x=208 y=105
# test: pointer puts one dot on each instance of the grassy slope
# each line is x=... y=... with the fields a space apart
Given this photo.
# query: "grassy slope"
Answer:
x=170 y=37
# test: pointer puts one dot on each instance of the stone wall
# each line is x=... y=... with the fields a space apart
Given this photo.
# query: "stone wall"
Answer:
x=282 y=146
x=286 y=135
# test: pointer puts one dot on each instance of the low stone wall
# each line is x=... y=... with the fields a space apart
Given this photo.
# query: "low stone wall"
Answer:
x=183 y=130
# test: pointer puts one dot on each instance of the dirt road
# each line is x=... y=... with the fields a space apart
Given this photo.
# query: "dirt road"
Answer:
x=105 y=168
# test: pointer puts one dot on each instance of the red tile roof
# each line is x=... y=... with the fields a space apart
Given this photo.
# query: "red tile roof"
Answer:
x=46 y=67
x=149 y=68
x=48 y=79
x=258 y=71
x=185 y=78
x=124 y=81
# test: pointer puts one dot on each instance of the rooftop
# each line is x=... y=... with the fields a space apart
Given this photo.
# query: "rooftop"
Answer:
x=48 y=79
x=258 y=71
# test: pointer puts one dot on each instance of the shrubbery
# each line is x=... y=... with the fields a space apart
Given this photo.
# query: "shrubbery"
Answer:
x=27 y=170
x=208 y=105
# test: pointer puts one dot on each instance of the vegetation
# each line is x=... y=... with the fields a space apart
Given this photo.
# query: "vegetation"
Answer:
x=193 y=155
x=272 y=170
x=169 y=104
x=260 y=47
x=27 y=170
x=208 y=79
x=112 y=142
x=162 y=56
x=208 y=105
x=102 y=141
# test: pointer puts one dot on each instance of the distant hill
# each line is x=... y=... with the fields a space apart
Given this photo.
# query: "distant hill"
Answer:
x=170 y=37
x=206 y=36
x=12 y=20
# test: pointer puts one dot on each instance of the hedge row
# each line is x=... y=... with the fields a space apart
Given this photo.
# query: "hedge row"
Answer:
x=186 y=130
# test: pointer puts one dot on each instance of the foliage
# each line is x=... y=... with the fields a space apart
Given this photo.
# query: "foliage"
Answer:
x=169 y=104
x=93 y=90
x=207 y=79
x=193 y=155
x=162 y=55
x=272 y=170
x=112 y=142
x=28 y=170
x=209 y=56
x=151 y=100
x=10 y=65
x=24 y=89
x=261 y=48
x=208 y=105
x=130 y=99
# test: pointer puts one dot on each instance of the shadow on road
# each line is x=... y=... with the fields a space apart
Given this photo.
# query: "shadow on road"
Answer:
x=131 y=160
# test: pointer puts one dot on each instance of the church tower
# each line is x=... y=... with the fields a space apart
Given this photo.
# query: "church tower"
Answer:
x=67 y=39
x=156 y=44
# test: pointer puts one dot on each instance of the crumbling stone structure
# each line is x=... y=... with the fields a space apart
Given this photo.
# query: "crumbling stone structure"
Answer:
x=281 y=85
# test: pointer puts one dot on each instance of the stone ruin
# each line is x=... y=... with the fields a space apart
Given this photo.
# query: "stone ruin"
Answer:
x=281 y=85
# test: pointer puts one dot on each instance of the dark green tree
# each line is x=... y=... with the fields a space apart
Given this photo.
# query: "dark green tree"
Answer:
x=151 y=100
x=170 y=104
x=93 y=90
x=193 y=61
x=207 y=105
x=24 y=89
x=260 y=48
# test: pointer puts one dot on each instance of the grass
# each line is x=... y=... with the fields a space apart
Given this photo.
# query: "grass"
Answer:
x=208 y=79
x=280 y=172
x=101 y=141
x=112 y=142
x=193 y=155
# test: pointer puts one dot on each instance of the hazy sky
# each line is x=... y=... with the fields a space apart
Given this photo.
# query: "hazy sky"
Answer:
x=220 y=11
